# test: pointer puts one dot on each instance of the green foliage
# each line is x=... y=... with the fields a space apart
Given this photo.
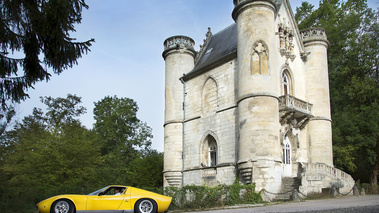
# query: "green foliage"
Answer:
x=50 y=153
x=146 y=170
x=6 y=116
x=119 y=128
x=200 y=197
x=37 y=33
x=125 y=143
x=43 y=151
x=353 y=55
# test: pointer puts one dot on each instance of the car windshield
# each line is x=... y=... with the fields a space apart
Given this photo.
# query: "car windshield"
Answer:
x=98 y=191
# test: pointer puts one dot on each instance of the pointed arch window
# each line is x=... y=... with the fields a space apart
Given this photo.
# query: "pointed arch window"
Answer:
x=260 y=59
x=286 y=83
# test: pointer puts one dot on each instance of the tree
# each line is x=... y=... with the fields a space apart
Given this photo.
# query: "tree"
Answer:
x=147 y=170
x=123 y=138
x=6 y=118
x=35 y=36
x=353 y=55
x=117 y=124
x=44 y=152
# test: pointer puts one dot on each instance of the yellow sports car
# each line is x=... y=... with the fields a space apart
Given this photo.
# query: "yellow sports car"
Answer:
x=117 y=199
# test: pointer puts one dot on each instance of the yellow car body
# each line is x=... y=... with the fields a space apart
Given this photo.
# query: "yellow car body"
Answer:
x=130 y=200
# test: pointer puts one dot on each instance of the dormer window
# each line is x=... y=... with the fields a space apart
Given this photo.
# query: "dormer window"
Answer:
x=209 y=51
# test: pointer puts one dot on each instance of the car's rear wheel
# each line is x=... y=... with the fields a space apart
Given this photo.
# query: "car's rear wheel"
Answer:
x=146 y=206
x=62 y=206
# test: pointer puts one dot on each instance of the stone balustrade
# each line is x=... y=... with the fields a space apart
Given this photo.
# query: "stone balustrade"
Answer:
x=328 y=170
x=236 y=2
x=209 y=172
x=179 y=41
x=288 y=102
x=314 y=34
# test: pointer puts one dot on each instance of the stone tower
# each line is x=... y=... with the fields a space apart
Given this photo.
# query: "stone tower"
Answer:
x=258 y=86
x=252 y=105
x=179 y=57
x=317 y=93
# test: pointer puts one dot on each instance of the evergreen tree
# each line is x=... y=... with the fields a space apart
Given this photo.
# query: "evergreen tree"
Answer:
x=35 y=36
x=353 y=32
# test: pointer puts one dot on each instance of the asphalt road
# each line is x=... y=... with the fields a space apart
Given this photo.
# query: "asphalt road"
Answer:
x=350 y=204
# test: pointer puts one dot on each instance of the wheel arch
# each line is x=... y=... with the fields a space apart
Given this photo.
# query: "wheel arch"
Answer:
x=64 y=198
x=145 y=198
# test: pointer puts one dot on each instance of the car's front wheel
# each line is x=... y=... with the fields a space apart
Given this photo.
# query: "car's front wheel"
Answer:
x=62 y=206
x=146 y=206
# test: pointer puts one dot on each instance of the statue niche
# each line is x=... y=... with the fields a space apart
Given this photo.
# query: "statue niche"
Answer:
x=259 y=59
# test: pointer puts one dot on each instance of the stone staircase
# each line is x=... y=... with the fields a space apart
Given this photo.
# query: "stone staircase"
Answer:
x=288 y=184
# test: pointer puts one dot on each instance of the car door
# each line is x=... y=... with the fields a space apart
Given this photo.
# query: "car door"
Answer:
x=105 y=201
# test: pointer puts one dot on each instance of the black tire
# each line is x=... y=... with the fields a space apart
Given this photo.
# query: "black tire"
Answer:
x=62 y=206
x=145 y=206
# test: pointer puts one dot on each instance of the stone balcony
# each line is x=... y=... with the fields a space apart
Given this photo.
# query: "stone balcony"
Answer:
x=295 y=111
x=209 y=172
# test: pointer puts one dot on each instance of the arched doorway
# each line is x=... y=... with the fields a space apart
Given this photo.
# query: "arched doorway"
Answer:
x=287 y=152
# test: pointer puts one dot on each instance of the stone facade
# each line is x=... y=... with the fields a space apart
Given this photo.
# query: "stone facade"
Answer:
x=252 y=105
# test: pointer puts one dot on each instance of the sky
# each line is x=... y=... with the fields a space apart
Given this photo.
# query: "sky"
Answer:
x=126 y=59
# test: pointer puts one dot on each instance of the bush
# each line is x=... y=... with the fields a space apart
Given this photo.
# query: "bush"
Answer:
x=24 y=199
x=370 y=188
x=200 y=197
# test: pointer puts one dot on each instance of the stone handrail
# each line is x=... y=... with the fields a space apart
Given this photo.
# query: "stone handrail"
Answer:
x=288 y=101
x=328 y=170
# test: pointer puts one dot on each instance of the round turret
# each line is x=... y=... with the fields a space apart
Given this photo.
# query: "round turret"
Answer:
x=179 y=56
x=317 y=92
x=258 y=86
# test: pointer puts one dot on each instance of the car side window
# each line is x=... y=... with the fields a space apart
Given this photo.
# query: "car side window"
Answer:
x=114 y=191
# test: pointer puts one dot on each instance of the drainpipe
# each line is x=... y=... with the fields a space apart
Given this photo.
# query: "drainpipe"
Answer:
x=184 y=117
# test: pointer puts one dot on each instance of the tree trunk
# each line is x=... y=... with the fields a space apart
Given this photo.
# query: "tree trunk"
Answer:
x=375 y=169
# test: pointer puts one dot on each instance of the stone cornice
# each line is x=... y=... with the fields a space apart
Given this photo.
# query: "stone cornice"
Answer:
x=252 y=95
x=241 y=5
x=172 y=122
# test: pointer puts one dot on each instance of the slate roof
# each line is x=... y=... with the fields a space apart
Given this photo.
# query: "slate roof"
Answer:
x=221 y=47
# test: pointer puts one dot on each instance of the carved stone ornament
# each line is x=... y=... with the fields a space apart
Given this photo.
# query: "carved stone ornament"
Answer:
x=286 y=36
x=208 y=36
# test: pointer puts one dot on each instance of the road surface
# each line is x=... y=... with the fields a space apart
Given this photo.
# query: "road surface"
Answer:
x=350 y=204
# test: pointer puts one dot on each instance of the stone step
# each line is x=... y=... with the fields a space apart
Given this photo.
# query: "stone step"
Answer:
x=288 y=184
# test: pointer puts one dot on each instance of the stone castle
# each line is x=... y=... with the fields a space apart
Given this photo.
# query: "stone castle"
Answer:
x=252 y=105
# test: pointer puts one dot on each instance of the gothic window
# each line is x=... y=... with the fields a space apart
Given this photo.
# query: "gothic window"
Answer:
x=259 y=59
x=210 y=152
x=210 y=97
x=286 y=83
x=286 y=150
